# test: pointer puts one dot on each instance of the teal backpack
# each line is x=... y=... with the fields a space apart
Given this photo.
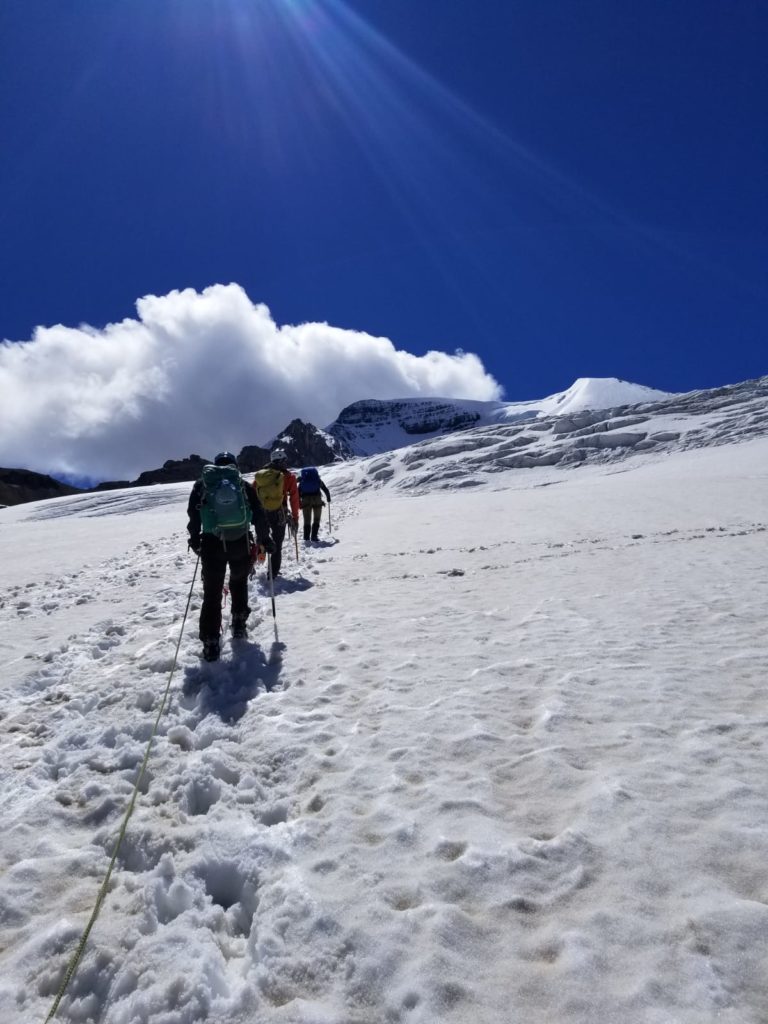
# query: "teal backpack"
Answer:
x=224 y=509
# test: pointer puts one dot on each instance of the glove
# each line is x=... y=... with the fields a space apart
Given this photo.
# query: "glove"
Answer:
x=268 y=544
x=294 y=524
x=195 y=543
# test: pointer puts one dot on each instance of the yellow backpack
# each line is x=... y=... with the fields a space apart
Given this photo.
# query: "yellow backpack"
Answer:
x=270 y=485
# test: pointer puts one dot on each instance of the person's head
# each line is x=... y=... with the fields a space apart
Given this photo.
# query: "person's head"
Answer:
x=279 y=458
x=225 y=459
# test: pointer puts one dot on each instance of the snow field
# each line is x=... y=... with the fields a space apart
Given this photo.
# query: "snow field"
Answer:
x=506 y=764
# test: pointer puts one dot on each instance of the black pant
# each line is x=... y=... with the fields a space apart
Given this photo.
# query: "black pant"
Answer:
x=311 y=511
x=215 y=555
x=276 y=521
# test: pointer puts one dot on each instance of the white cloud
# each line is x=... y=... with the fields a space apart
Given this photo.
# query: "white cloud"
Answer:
x=197 y=372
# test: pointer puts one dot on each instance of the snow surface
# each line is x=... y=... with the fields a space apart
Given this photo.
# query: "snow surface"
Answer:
x=507 y=763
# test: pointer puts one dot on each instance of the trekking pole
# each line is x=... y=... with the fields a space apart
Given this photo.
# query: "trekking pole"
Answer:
x=330 y=528
x=272 y=594
x=296 y=542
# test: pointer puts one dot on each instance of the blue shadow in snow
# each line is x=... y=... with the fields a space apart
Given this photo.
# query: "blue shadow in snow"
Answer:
x=226 y=687
x=282 y=585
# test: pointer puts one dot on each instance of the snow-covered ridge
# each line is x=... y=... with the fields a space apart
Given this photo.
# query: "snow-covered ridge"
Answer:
x=370 y=427
x=575 y=435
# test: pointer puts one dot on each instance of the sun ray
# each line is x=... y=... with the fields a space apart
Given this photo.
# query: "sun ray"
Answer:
x=310 y=70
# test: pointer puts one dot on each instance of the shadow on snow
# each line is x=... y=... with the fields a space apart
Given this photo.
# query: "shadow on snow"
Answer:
x=284 y=585
x=225 y=687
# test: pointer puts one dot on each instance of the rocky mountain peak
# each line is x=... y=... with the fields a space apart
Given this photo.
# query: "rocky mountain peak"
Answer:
x=307 y=445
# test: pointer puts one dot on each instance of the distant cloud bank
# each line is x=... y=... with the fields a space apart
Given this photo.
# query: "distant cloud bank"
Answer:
x=197 y=372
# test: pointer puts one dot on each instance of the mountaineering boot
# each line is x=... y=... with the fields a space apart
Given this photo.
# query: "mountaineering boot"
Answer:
x=239 y=630
x=306 y=533
x=315 y=529
x=211 y=650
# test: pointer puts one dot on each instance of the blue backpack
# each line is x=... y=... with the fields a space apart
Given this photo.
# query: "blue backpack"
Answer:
x=309 y=481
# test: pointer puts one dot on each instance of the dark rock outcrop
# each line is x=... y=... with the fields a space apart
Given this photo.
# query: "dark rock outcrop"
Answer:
x=306 y=445
x=174 y=471
x=252 y=457
x=21 y=485
x=112 y=485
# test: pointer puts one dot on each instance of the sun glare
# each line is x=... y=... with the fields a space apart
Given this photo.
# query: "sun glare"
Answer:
x=313 y=76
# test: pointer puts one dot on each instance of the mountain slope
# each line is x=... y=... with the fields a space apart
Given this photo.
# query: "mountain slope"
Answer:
x=506 y=763
x=22 y=485
x=473 y=456
x=371 y=427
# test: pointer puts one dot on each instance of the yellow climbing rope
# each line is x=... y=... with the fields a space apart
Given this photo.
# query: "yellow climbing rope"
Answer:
x=74 y=962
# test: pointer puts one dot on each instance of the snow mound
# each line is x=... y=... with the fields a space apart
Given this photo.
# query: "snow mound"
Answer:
x=599 y=393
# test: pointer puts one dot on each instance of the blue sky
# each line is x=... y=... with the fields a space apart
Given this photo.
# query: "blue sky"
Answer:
x=566 y=188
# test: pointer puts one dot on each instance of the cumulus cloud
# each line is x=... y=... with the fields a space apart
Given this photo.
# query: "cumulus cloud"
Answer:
x=197 y=372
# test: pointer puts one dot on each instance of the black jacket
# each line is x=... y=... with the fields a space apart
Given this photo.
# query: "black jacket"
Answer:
x=258 y=516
